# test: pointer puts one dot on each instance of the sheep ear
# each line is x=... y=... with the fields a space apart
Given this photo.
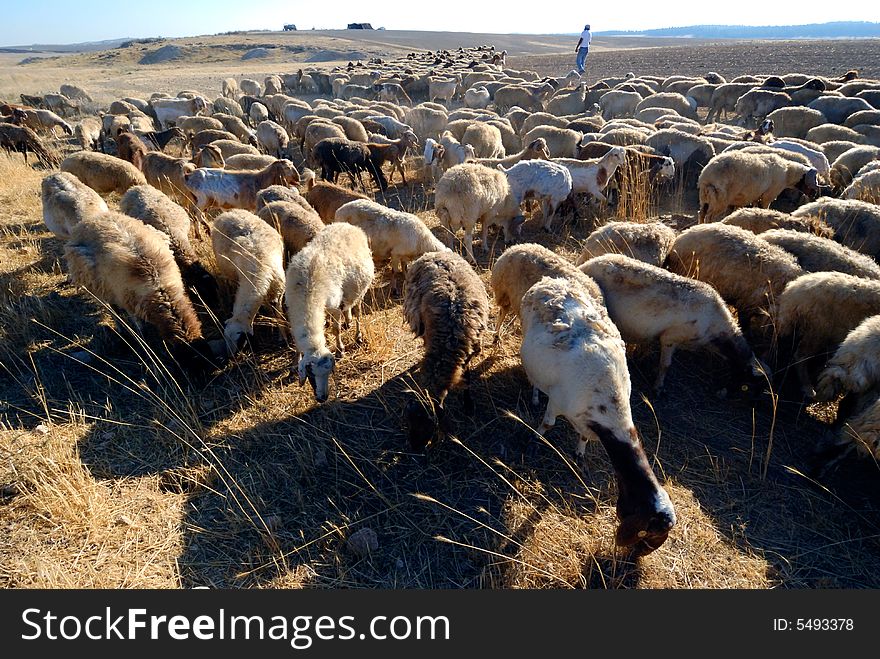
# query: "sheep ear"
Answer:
x=601 y=176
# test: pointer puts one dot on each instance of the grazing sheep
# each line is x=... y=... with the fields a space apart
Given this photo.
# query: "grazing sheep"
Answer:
x=153 y=207
x=477 y=97
x=535 y=150
x=452 y=152
x=193 y=125
x=847 y=164
x=649 y=242
x=237 y=189
x=471 y=193
x=855 y=366
x=547 y=180
x=725 y=96
x=738 y=178
x=815 y=254
x=237 y=127
x=573 y=353
x=795 y=121
x=855 y=223
x=248 y=251
x=561 y=142
x=281 y=193
x=759 y=220
x=447 y=306
x=832 y=133
x=532 y=99
x=754 y=106
x=865 y=187
x=229 y=88
x=258 y=113
x=66 y=201
x=819 y=310
x=672 y=101
x=393 y=151
x=747 y=271
x=273 y=139
x=297 y=223
x=250 y=87
x=46 y=120
x=619 y=103
x=648 y=303
x=168 y=174
x=690 y=152
x=838 y=108
x=326 y=198
x=520 y=267
x=101 y=172
x=330 y=274
x=593 y=176
x=88 y=134
x=74 y=92
x=395 y=235
x=127 y=264
x=335 y=155
x=485 y=139
x=130 y=148
x=168 y=110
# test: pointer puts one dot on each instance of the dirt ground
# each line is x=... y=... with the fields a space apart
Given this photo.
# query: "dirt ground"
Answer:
x=113 y=476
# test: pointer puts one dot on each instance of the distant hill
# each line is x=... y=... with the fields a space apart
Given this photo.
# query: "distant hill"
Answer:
x=839 y=30
x=88 y=47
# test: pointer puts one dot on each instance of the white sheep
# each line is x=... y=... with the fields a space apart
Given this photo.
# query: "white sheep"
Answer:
x=593 y=176
x=250 y=252
x=330 y=274
x=237 y=189
x=573 y=353
x=650 y=304
x=66 y=201
x=546 y=180
x=477 y=97
x=102 y=172
x=819 y=309
x=561 y=142
x=129 y=265
x=855 y=366
x=865 y=187
x=747 y=271
x=739 y=178
x=855 y=223
x=816 y=254
x=392 y=234
x=485 y=139
x=453 y=152
x=471 y=193
x=520 y=267
x=168 y=110
x=649 y=242
x=759 y=220
x=273 y=139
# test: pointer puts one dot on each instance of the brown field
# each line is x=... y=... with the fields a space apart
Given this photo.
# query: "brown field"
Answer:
x=112 y=476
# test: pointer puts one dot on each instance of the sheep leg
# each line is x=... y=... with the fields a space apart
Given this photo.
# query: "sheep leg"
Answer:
x=549 y=419
x=485 y=235
x=469 y=245
x=502 y=314
x=666 y=352
x=337 y=323
x=402 y=170
x=536 y=398
x=359 y=335
x=395 y=282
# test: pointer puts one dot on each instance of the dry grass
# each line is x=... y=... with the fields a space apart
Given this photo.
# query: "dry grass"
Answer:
x=110 y=476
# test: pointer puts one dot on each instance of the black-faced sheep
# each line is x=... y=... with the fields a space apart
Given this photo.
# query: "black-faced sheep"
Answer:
x=447 y=306
x=573 y=353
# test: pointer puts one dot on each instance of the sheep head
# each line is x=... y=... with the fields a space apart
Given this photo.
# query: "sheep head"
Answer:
x=316 y=368
x=809 y=184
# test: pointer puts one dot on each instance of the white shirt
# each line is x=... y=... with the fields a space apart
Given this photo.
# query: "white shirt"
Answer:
x=586 y=36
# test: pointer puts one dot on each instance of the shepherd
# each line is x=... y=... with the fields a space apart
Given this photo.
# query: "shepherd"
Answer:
x=583 y=48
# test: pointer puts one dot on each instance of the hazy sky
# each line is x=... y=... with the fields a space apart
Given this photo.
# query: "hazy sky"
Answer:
x=72 y=21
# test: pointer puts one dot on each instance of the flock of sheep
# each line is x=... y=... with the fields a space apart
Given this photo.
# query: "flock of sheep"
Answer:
x=805 y=285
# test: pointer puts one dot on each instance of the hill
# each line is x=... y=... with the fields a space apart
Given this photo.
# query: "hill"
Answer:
x=837 y=30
